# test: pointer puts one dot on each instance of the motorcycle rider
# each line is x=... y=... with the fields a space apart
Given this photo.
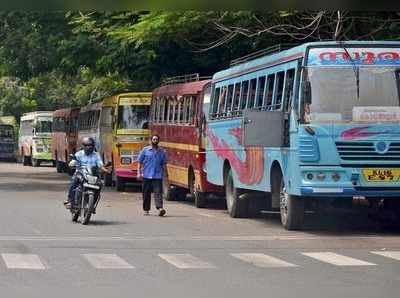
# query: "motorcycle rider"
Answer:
x=85 y=158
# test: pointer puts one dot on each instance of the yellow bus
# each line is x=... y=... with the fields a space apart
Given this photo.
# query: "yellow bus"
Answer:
x=124 y=131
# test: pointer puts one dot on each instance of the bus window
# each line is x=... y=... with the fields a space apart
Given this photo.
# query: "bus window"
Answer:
x=279 y=91
x=229 y=99
x=245 y=91
x=214 y=109
x=191 y=109
x=269 y=91
x=236 y=97
x=170 y=110
x=133 y=116
x=252 y=93
x=222 y=96
x=176 y=111
x=260 y=91
x=188 y=100
x=289 y=88
x=165 y=110
x=180 y=110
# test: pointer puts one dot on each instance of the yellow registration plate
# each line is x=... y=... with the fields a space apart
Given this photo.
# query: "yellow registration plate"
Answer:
x=381 y=175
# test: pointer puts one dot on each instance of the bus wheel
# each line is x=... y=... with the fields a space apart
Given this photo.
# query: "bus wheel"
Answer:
x=166 y=189
x=108 y=179
x=25 y=160
x=237 y=208
x=120 y=184
x=200 y=198
x=59 y=166
x=292 y=209
x=35 y=162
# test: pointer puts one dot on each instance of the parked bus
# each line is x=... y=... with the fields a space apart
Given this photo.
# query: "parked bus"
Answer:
x=314 y=123
x=88 y=123
x=124 y=132
x=64 y=137
x=177 y=117
x=35 y=138
x=8 y=139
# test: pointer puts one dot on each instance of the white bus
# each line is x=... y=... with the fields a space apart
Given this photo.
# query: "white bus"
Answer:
x=34 y=142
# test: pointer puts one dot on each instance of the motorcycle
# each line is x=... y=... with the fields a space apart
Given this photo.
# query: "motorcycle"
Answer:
x=86 y=194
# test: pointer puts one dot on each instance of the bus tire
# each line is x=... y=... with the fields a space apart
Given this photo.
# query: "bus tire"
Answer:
x=237 y=208
x=200 y=198
x=291 y=209
x=120 y=184
x=35 y=162
x=26 y=160
x=166 y=189
x=59 y=166
x=108 y=179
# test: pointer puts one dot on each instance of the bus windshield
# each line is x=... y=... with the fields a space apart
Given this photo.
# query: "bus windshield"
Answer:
x=337 y=92
x=133 y=117
x=6 y=132
x=43 y=126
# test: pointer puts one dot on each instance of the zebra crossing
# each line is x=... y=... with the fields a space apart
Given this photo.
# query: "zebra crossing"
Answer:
x=186 y=261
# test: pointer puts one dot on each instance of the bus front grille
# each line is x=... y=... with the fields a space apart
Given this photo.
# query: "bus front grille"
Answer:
x=366 y=151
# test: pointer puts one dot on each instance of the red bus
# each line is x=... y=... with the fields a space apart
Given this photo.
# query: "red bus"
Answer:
x=178 y=116
x=64 y=137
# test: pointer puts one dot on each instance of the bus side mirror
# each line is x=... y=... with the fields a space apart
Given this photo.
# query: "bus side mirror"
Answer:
x=306 y=90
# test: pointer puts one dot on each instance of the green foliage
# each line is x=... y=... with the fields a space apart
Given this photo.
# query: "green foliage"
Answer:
x=51 y=60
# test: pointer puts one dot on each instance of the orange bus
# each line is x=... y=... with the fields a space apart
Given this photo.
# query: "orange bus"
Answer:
x=178 y=114
x=64 y=137
x=124 y=131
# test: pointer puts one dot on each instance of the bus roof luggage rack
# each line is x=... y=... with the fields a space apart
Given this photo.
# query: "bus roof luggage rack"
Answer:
x=270 y=50
x=184 y=79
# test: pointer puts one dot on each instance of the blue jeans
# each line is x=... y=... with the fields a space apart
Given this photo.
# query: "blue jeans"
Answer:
x=74 y=184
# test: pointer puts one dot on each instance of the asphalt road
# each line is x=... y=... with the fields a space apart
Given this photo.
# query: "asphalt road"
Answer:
x=189 y=253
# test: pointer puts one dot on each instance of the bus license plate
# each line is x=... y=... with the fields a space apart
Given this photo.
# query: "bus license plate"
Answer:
x=126 y=160
x=381 y=175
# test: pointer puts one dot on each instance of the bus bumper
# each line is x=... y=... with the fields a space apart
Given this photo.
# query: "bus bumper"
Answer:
x=350 y=192
x=126 y=173
x=42 y=156
x=336 y=181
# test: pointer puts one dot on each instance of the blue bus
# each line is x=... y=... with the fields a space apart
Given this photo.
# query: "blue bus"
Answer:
x=306 y=125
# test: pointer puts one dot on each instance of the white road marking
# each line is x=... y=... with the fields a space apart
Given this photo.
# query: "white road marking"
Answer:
x=107 y=261
x=23 y=261
x=262 y=260
x=185 y=261
x=205 y=214
x=388 y=254
x=336 y=259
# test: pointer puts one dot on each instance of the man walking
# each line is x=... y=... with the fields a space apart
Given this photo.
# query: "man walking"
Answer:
x=152 y=166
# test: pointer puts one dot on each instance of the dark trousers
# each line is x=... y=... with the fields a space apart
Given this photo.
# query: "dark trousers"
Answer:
x=150 y=185
x=74 y=184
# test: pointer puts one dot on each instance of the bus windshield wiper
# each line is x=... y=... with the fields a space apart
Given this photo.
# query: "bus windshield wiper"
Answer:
x=355 y=69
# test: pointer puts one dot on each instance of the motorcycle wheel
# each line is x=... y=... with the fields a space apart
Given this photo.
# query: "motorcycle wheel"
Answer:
x=87 y=209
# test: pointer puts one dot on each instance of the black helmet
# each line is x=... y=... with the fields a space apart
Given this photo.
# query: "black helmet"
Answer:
x=88 y=145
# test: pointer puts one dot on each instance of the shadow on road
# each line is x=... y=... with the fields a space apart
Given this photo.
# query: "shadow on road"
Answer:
x=106 y=223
